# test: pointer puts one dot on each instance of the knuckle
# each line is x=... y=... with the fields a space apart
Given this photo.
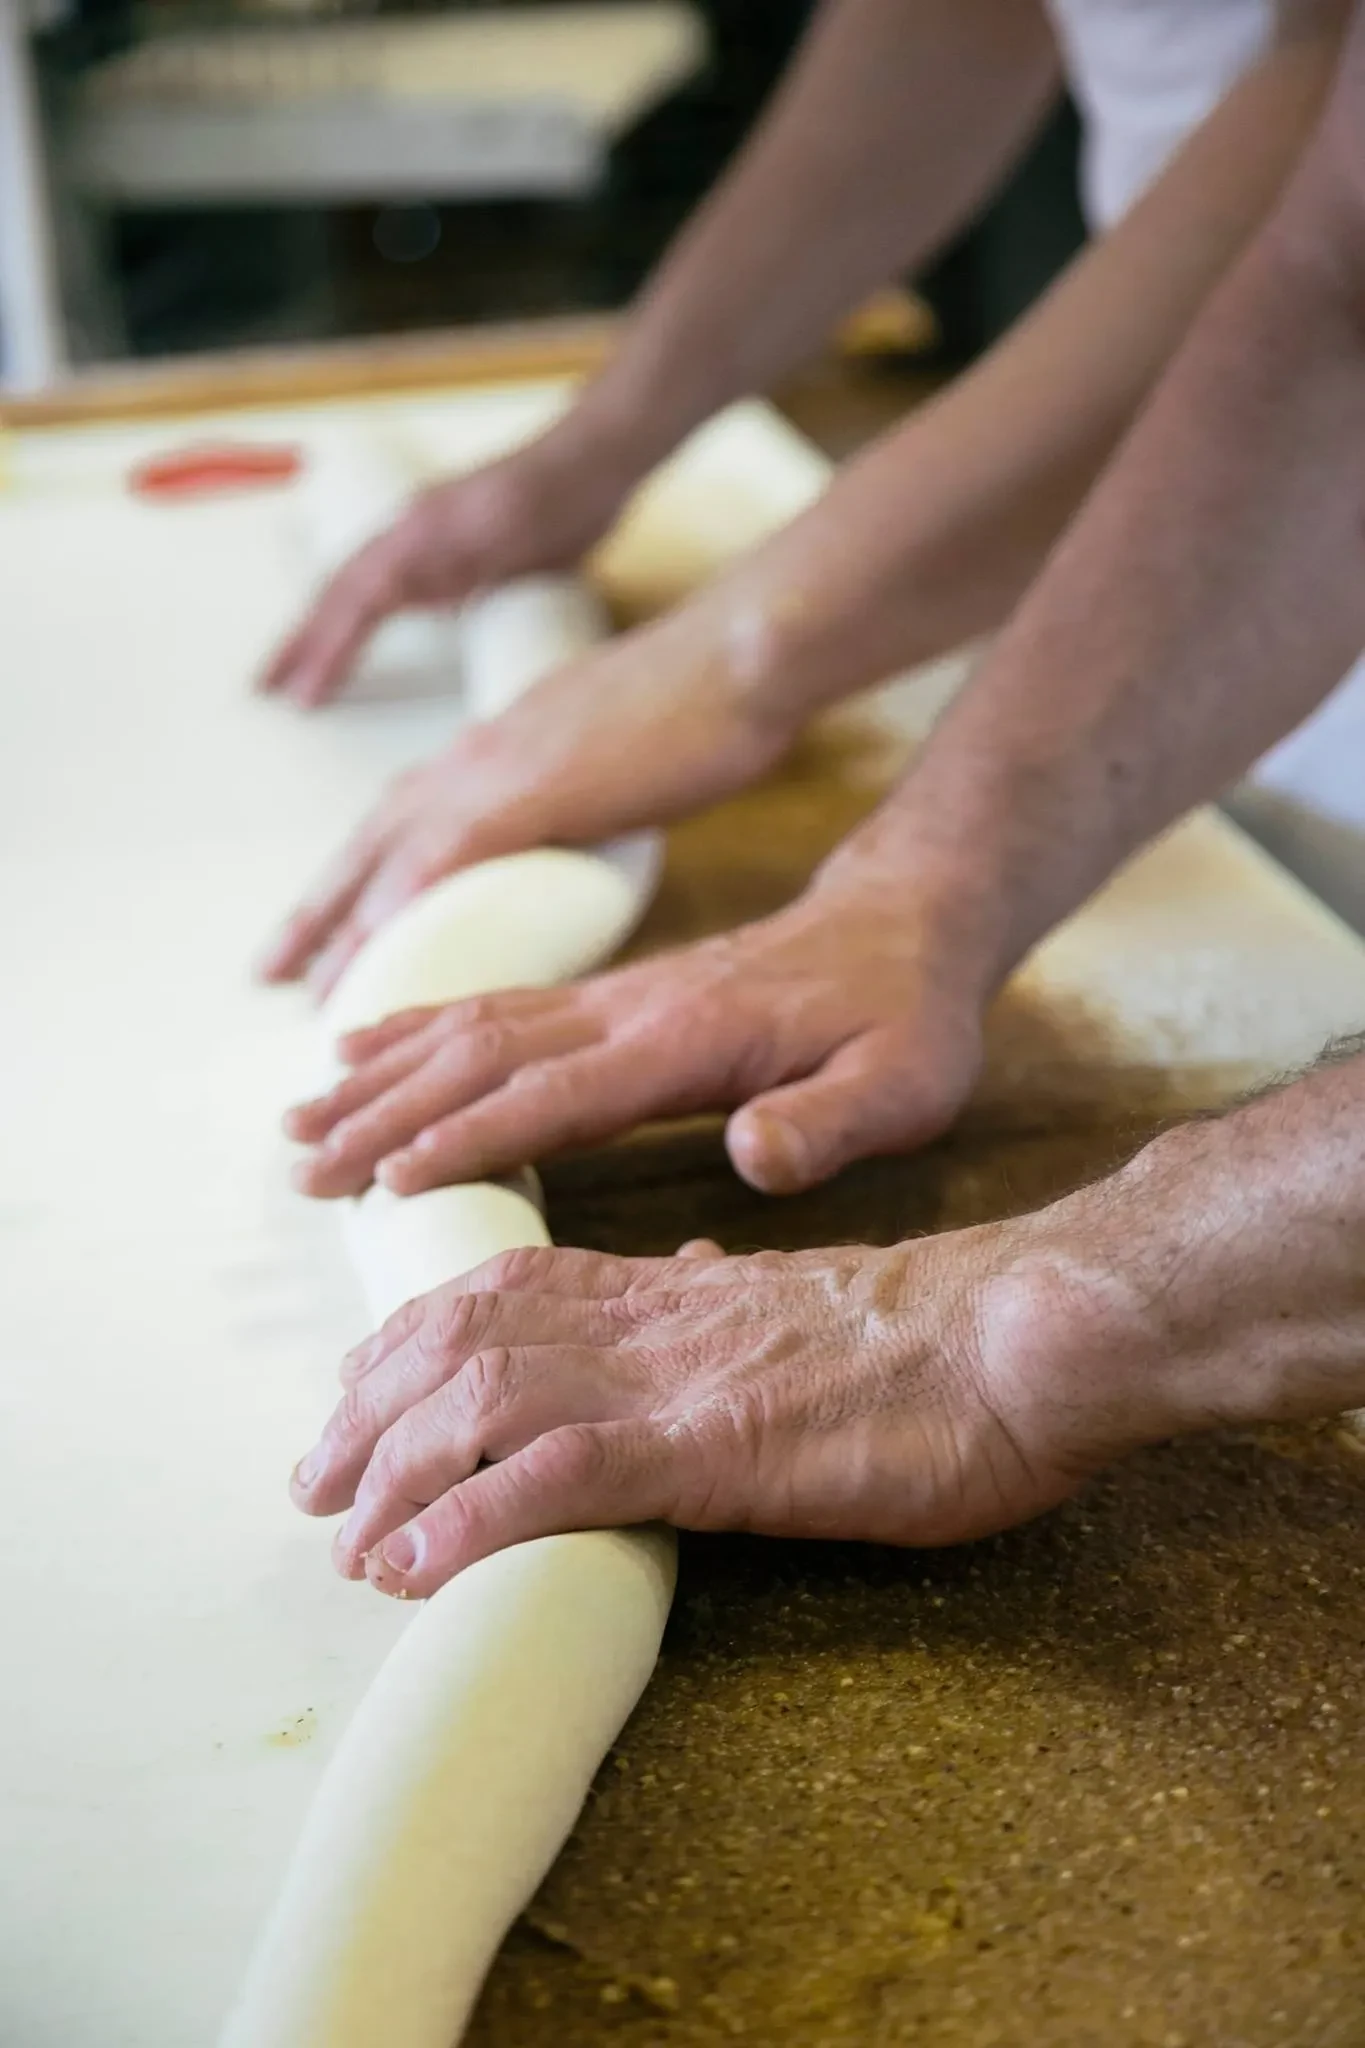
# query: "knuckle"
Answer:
x=353 y=1418
x=572 y=1458
x=472 y=1013
x=491 y=1045
x=453 y=1521
x=488 y=1381
x=391 y=1457
x=457 y=1321
x=765 y=1263
x=535 y=1078
x=518 y=1271
x=554 y=1093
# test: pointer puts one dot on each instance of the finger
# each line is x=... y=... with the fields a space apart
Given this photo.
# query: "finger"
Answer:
x=468 y=1012
x=548 y=1272
x=309 y=1122
x=281 y=664
x=581 y=1098
x=866 y=1099
x=498 y=1405
x=552 y=1269
x=353 y=1048
x=528 y=1270
x=439 y=1343
x=331 y=898
x=585 y=1476
x=440 y=1083
x=392 y=882
x=362 y=593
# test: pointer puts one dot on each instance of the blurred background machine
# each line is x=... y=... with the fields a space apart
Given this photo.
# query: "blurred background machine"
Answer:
x=177 y=176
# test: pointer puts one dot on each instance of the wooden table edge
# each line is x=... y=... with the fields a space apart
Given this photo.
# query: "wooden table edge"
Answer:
x=316 y=372
x=893 y=322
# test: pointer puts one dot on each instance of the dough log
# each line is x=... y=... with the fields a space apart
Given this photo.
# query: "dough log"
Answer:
x=467 y=1763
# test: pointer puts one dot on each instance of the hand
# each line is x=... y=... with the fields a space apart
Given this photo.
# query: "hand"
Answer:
x=847 y=1025
x=924 y=1394
x=540 y=508
x=644 y=729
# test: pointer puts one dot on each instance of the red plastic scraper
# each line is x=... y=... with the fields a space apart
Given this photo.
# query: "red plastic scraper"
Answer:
x=210 y=467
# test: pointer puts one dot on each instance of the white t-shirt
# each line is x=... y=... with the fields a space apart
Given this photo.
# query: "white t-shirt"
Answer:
x=1144 y=74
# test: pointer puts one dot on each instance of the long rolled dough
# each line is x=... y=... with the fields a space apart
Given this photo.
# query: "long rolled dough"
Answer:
x=467 y=1763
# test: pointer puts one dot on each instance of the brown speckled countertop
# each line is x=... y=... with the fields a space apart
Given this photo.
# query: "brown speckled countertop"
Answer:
x=1101 y=1781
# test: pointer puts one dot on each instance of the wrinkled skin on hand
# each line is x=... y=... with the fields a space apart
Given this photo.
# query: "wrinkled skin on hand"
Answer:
x=539 y=509
x=922 y=1394
x=847 y=1025
x=644 y=729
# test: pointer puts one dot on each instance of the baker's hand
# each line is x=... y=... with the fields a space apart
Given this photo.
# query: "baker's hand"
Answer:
x=925 y=1394
x=539 y=509
x=644 y=729
x=848 y=1024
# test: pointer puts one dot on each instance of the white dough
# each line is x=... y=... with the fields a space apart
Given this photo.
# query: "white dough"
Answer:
x=454 y=1787
x=464 y=1769
x=356 y=485
x=521 y=922
x=507 y=633
x=401 y=1245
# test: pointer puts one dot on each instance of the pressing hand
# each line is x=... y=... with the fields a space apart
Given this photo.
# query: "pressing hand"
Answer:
x=921 y=1394
x=649 y=727
x=848 y=1024
x=539 y=509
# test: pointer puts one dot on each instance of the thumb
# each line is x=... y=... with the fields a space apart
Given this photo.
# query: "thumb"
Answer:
x=869 y=1097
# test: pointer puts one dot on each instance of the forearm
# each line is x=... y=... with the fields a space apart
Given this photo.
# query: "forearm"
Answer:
x=932 y=536
x=1226 y=1265
x=897 y=120
x=1206 y=599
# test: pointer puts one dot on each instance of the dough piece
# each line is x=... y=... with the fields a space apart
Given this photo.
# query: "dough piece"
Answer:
x=468 y=1760
x=467 y=1763
x=401 y=1245
x=514 y=634
x=452 y=1791
x=356 y=484
x=524 y=921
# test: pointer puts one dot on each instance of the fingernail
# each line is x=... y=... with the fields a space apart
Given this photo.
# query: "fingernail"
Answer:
x=307 y=1469
x=772 y=1152
x=402 y=1552
x=301 y=1177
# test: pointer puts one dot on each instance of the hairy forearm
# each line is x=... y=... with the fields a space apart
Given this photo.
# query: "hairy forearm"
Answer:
x=897 y=120
x=932 y=536
x=1227 y=1263
x=1208 y=596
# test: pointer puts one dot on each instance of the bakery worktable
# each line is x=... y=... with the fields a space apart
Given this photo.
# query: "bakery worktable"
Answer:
x=182 y=1657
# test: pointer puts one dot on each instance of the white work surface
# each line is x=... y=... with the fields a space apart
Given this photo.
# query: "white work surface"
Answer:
x=179 y=1656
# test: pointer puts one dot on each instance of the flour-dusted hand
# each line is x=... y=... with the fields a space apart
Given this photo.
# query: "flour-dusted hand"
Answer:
x=538 y=509
x=846 y=1025
x=639 y=731
x=923 y=1394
